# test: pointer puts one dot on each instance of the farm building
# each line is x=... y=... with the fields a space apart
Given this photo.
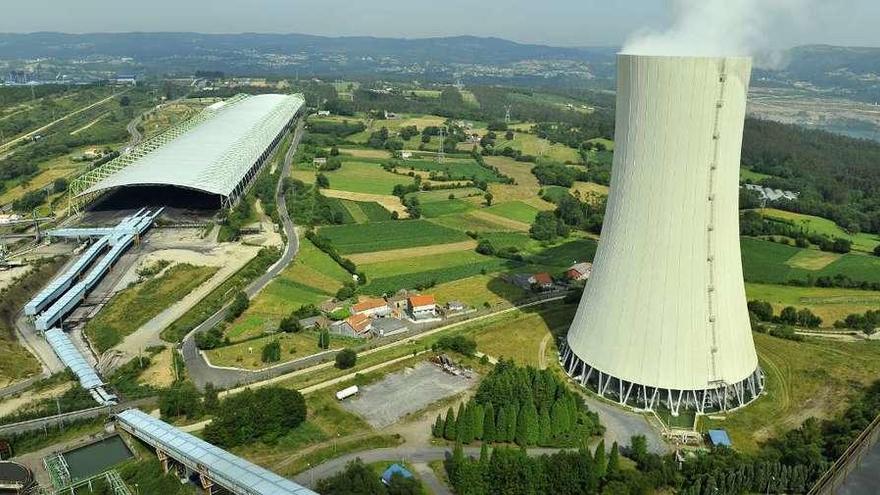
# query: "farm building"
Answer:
x=542 y=281
x=371 y=307
x=421 y=307
x=579 y=271
x=358 y=325
x=217 y=154
x=384 y=327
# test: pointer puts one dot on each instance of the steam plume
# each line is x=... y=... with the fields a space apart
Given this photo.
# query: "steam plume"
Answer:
x=721 y=28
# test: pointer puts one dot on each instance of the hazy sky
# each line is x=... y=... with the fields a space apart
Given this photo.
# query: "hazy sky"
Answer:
x=555 y=22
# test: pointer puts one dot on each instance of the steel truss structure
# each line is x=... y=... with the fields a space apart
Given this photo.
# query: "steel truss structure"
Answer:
x=219 y=151
x=720 y=397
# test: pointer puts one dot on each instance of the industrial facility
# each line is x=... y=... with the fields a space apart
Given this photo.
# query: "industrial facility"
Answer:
x=217 y=153
x=663 y=321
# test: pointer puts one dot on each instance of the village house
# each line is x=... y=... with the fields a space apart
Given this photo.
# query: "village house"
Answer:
x=579 y=271
x=421 y=307
x=377 y=307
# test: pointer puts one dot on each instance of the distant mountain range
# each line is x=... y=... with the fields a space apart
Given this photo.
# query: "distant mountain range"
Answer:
x=854 y=71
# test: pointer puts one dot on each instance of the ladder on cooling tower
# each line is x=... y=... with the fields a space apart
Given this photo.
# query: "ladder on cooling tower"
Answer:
x=710 y=224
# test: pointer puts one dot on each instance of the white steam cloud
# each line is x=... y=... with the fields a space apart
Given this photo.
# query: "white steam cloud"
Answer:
x=723 y=28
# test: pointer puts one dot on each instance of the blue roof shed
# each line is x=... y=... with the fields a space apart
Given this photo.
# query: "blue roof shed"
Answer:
x=719 y=437
x=395 y=469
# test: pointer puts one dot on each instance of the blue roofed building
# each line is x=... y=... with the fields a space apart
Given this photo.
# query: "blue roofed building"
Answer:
x=395 y=469
x=719 y=438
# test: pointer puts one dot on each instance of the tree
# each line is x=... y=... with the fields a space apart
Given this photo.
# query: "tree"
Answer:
x=357 y=479
x=527 y=425
x=124 y=101
x=324 y=339
x=334 y=151
x=437 y=428
x=479 y=418
x=877 y=250
x=488 y=197
x=239 y=304
x=489 y=424
x=60 y=185
x=271 y=352
x=322 y=181
x=600 y=464
x=450 y=429
x=761 y=309
x=466 y=424
x=559 y=421
x=346 y=358
x=544 y=428
x=265 y=413
x=210 y=400
x=181 y=399
x=508 y=135
x=289 y=324
x=501 y=425
x=613 y=460
x=788 y=315
x=512 y=418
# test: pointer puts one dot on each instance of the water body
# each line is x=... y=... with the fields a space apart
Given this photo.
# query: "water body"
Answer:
x=96 y=458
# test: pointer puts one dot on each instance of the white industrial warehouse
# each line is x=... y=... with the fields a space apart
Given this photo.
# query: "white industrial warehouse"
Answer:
x=663 y=319
x=218 y=152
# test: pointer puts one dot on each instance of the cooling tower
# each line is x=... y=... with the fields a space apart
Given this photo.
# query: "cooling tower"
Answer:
x=663 y=319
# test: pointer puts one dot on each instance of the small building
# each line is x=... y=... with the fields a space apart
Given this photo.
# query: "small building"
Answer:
x=125 y=79
x=422 y=306
x=542 y=281
x=314 y=322
x=323 y=113
x=398 y=300
x=319 y=160
x=395 y=470
x=406 y=155
x=579 y=271
x=719 y=438
x=371 y=307
x=455 y=306
x=354 y=326
x=385 y=327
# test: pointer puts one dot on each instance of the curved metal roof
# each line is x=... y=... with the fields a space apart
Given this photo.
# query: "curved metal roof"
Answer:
x=72 y=358
x=215 y=155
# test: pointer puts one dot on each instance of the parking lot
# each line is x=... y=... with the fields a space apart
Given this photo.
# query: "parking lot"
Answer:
x=385 y=402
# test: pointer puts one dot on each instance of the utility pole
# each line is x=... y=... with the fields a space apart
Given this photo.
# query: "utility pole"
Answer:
x=507 y=114
x=440 y=153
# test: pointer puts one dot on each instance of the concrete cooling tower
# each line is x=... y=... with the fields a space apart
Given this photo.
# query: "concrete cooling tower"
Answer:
x=663 y=319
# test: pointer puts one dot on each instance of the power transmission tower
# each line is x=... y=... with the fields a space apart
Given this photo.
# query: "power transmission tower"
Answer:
x=507 y=114
x=440 y=153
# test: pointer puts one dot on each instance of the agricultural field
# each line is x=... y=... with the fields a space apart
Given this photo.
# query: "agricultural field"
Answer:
x=366 y=211
x=443 y=194
x=453 y=168
x=525 y=336
x=830 y=304
x=526 y=186
x=751 y=176
x=474 y=222
x=311 y=278
x=529 y=144
x=364 y=177
x=860 y=242
x=137 y=305
x=382 y=236
x=771 y=263
x=478 y=291
x=391 y=275
x=811 y=379
x=583 y=190
x=433 y=209
x=514 y=210
x=247 y=354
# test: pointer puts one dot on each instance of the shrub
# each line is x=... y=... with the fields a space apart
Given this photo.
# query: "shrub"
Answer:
x=346 y=358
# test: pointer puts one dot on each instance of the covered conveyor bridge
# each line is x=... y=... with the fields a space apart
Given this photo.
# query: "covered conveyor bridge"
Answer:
x=213 y=465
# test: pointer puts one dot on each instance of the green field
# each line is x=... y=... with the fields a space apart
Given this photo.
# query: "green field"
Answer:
x=830 y=304
x=752 y=177
x=443 y=194
x=515 y=210
x=364 y=177
x=860 y=242
x=454 y=169
x=418 y=264
x=530 y=144
x=137 y=305
x=554 y=193
x=466 y=222
x=312 y=278
x=434 y=209
x=382 y=236
x=365 y=211
x=424 y=278
x=766 y=262
x=815 y=378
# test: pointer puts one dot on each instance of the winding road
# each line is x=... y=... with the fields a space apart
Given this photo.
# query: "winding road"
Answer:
x=198 y=368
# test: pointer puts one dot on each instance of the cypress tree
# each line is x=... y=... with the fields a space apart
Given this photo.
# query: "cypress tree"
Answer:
x=466 y=425
x=613 y=460
x=489 y=423
x=544 y=429
x=501 y=425
x=512 y=415
x=557 y=419
x=479 y=420
x=449 y=428
x=527 y=425
x=599 y=462
x=484 y=455
x=437 y=429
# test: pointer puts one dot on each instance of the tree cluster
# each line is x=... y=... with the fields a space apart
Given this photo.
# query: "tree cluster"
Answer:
x=359 y=479
x=763 y=311
x=264 y=414
x=867 y=322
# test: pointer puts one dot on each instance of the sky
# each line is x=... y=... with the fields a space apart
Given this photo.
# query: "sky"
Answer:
x=551 y=22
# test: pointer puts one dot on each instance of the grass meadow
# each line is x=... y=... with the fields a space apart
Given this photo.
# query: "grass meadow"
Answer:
x=382 y=236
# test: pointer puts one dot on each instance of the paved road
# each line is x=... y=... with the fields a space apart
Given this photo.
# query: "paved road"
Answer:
x=199 y=370
x=414 y=455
